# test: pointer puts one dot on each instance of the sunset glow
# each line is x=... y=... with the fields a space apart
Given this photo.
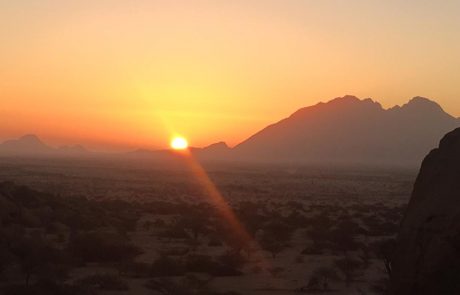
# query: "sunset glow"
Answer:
x=120 y=75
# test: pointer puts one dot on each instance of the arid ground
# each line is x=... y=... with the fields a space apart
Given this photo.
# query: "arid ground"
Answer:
x=127 y=227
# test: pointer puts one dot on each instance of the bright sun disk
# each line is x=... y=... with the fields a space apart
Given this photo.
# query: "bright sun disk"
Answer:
x=179 y=143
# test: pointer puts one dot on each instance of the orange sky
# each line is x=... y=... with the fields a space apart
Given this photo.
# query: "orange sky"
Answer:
x=114 y=74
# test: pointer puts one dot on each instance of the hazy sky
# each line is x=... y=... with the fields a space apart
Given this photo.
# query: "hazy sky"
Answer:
x=123 y=74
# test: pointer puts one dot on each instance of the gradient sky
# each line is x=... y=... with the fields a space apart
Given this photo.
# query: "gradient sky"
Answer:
x=124 y=74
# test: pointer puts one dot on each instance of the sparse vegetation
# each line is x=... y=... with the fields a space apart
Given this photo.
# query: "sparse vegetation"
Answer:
x=173 y=245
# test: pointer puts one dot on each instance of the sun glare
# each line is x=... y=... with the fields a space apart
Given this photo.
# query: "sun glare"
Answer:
x=179 y=143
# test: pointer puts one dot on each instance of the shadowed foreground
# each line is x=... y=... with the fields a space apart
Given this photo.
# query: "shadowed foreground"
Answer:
x=427 y=257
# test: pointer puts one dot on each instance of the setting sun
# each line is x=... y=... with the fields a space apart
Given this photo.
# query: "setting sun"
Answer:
x=179 y=143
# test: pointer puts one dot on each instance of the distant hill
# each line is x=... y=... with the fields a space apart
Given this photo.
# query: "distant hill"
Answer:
x=216 y=151
x=27 y=144
x=32 y=145
x=219 y=150
x=347 y=130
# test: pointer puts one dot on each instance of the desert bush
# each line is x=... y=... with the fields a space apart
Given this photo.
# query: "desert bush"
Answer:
x=135 y=269
x=249 y=213
x=205 y=264
x=107 y=282
x=174 y=251
x=159 y=223
x=237 y=242
x=272 y=244
x=344 y=241
x=349 y=267
x=382 y=287
x=199 y=263
x=102 y=247
x=44 y=287
x=384 y=251
x=313 y=285
x=322 y=221
x=315 y=248
x=319 y=235
x=279 y=230
x=189 y=285
x=214 y=241
x=147 y=225
x=276 y=271
x=167 y=286
x=29 y=219
x=232 y=260
x=194 y=222
x=174 y=232
x=296 y=220
x=36 y=258
x=325 y=275
x=167 y=267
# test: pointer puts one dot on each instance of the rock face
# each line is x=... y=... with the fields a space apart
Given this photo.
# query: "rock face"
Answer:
x=427 y=254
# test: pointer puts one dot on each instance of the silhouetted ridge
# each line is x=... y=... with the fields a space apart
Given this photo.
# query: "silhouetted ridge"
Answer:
x=351 y=100
x=217 y=146
x=342 y=104
x=347 y=130
x=423 y=102
x=422 y=105
x=347 y=99
x=215 y=151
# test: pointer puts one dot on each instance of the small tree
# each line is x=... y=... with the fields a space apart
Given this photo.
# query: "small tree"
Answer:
x=34 y=257
x=385 y=252
x=325 y=275
x=107 y=282
x=189 y=285
x=272 y=245
x=348 y=267
x=166 y=266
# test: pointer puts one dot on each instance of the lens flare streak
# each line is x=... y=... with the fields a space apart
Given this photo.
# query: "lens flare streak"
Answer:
x=222 y=206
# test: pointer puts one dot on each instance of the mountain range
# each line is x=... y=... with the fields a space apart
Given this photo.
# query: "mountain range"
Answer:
x=345 y=130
